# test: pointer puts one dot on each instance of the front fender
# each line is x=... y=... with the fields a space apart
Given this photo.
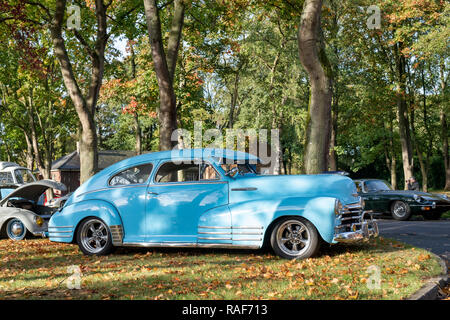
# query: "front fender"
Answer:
x=26 y=216
x=319 y=211
x=63 y=224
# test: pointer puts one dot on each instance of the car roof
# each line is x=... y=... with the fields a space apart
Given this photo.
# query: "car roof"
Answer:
x=195 y=153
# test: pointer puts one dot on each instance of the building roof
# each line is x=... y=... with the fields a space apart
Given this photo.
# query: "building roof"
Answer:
x=71 y=161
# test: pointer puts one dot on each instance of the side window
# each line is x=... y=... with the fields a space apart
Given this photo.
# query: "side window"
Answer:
x=6 y=178
x=134 y=175
x=172 y=172
x=185 y=172
x=207 y=172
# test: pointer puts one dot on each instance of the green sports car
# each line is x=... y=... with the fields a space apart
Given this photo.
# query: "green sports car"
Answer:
x=401 y=204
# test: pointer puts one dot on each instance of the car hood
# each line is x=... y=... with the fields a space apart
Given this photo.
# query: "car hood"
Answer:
x=411 y=193
x=32 y=191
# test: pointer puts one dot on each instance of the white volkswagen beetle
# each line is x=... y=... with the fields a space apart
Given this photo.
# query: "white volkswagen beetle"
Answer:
x=21 y=213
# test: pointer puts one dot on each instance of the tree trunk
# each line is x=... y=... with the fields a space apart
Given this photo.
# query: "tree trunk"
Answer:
x=314 y=60
x=29 y=155
x=444 y=128
x=137 y=125
x=137 y=130
x=234 y=99
x=444 y=135
x=332 y=160
x=165 y=67
x=84 y=106
x=391 y=160
x=402 y=116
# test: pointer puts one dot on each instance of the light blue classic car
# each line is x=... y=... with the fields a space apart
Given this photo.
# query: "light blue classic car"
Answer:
x=210 y=198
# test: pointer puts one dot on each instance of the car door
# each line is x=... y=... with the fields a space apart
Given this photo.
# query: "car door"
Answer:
x=373 y=198
x=178 y=195
x=127 y=190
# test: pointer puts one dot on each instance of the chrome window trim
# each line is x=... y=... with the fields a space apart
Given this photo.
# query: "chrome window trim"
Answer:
x=164 y=161
x=127 y=168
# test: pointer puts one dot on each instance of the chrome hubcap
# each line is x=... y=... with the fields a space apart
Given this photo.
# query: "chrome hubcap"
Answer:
x=400 y=209
x=94 y=236
x=293 y=237
x=16 y=230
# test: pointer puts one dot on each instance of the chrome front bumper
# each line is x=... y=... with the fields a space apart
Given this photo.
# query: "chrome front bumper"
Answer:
x=356 y=225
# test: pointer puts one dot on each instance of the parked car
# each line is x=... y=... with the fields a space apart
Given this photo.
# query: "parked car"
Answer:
x=380 y=197
x=209 y=198
x=20 y=212
x=58 y=202
x=12 y=173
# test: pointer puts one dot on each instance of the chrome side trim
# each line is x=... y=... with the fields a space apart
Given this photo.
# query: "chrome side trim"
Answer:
x=52 y=232
x=248 y=233
x=60 y=227
x=231 y=227
x=247 y=239
x=188 y=245
x=212 y=232
x=212 y=238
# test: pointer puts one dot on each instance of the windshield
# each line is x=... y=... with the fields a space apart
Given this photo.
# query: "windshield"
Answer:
x=244 y=167
x=24 y=176
x=376 y=185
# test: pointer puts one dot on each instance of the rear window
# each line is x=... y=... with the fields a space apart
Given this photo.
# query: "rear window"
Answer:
x=6 y=178
x=133 y=175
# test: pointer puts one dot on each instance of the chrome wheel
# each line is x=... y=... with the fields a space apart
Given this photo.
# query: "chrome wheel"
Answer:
x=400 y=210
x=15 y=229
x=293 y=238
x=94 y=236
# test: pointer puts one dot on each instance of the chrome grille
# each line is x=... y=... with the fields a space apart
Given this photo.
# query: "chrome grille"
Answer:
x=351 y=214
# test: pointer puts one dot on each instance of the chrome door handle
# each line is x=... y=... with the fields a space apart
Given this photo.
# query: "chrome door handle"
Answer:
x=152 y=193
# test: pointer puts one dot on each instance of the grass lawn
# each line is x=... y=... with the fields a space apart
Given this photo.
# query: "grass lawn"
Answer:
x=38 y=269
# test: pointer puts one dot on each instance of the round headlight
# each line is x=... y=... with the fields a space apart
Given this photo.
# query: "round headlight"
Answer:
x=39 y=221
x=337 y=207
x=418 y=198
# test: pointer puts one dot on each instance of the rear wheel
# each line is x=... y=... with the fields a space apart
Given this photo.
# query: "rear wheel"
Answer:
x=400 y=211
x=15 y=229
x=94 y=237
x=295 y=238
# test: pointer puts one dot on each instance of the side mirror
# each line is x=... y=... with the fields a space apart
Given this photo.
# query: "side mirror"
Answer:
x=233 y=172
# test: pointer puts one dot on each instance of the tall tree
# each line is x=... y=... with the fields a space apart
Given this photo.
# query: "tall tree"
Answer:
x=165 y=65
x=314 y=60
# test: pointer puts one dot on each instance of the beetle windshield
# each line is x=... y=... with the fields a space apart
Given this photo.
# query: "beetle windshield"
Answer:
x=24 y=176
x=376 y=185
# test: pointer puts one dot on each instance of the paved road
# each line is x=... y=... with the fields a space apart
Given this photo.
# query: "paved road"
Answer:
x=431 y=235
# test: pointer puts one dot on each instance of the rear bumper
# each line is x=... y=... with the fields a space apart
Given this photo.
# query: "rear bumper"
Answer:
x=363 y=229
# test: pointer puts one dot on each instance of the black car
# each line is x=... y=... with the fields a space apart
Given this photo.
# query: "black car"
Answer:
x=401 y=204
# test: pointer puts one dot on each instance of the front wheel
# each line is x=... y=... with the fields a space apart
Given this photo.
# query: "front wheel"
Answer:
x=400 y=211
x=295 y=238
x=94 y=237
x=16 y=230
